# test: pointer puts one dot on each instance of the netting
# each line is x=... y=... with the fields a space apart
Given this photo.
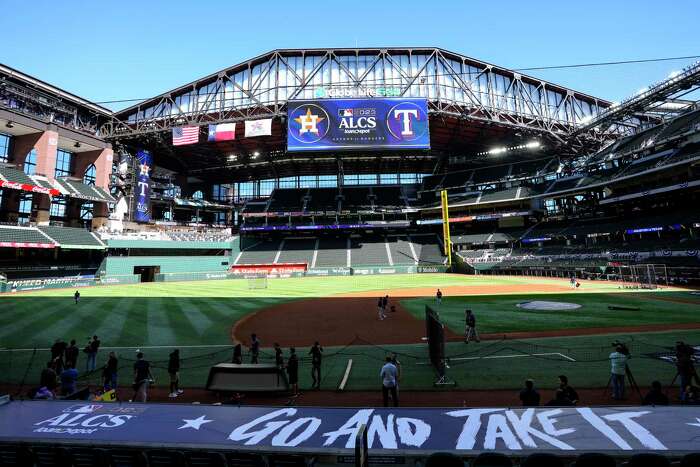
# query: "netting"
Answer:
x=257 y=281
x=497 y=364
x=643 y=276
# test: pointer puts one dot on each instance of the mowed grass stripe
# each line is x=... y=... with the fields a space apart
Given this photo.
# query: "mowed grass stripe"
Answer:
x=53 y=323
x=134 y=331
x=116 y=311
x=158 y=328
x=180 y=324
x=191 y=310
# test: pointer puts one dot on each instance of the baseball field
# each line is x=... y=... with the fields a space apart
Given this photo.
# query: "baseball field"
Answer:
x=203 y=319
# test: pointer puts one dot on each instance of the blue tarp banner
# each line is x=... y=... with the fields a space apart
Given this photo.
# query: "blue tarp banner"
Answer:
x=358 y=124
x=609 y=429
x=142 y=210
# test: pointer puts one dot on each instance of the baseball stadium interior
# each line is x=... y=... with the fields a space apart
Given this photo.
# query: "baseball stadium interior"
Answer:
x=238 y=178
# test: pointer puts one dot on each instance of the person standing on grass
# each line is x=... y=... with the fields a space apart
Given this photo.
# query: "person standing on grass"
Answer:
x=174 y=373
x=397 y=364
x=293 y=371
x=72 y=353
x=618 y=364
x=92 y=347
x=142 y=378
x=470 y=331
x=388 y=374
x=76 y=297
x=316 y=353
x=109 y=373
x=438 y=297
x=254 y=348
x=385 y=304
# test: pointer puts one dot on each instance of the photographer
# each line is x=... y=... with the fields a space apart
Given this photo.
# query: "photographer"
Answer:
x=618 y=369
x=685 y=367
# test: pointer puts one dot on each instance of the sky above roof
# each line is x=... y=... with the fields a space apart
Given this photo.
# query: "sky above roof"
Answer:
x=106 y=51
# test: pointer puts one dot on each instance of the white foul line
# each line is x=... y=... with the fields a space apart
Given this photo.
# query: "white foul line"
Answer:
x=345 y=376
x=135 y=347
x=514 y=356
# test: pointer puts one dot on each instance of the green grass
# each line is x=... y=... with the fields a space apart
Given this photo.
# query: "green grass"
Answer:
x=499 y=314
x=202 y=313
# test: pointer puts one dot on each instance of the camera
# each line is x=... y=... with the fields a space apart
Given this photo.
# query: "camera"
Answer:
x=621 y=347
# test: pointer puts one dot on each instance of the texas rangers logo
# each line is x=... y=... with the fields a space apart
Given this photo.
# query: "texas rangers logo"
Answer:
x=308 y=123
x=406 y=121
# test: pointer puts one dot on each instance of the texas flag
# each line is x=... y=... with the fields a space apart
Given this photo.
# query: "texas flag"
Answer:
x=222 y=132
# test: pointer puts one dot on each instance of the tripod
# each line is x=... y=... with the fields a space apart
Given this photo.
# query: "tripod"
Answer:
x=630 y=380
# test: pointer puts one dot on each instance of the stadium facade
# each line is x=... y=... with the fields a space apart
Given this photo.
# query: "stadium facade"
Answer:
x=332 y=161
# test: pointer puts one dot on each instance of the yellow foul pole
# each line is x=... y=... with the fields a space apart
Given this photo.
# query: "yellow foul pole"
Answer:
x=446 y=227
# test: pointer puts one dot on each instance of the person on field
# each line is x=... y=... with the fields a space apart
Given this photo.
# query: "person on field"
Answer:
x=71 y=354
x=293 y=371
x=438 y=297
x=142 y=378
x=385 y=304
x=470 y=331
x=560 y=400
x=174 y=373
x=76 y=297
x=388 y=375
x=254 y=348
x=91 y=349
x=380 y=308
x=237 y=354
x=69 y=381
x=397 y=364
x=569 y=392
x=618 y=365
x=109 y=373
x=316 y=353
x=529 y=396
x=279 y=358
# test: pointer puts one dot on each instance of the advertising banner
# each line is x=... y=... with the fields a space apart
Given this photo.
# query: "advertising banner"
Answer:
x=519 y=431
x=357 y=124
x=142 y=209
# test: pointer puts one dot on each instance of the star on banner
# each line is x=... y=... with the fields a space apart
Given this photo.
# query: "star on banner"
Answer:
x=695 y=424
x=194 y=424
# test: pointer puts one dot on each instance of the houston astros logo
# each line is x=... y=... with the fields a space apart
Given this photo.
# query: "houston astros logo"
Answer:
x=308 y=123
x=406 y=121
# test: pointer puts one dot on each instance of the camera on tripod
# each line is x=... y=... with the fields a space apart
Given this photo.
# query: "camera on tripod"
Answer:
x=621 y=347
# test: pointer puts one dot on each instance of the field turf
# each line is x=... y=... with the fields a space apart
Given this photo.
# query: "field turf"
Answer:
x=197 y=317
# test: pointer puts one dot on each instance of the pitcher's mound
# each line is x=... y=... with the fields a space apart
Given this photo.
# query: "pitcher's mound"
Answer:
x=547 y=305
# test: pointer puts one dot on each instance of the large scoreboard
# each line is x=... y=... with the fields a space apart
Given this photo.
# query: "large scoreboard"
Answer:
x=357 y=124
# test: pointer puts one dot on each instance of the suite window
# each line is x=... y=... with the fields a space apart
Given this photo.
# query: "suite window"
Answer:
x=58 y=207
x=86 y=211
x=30 y=163
x=90 y=175
x=63 y=164
x=198 y=195
x=4 y=147
x=25 y=208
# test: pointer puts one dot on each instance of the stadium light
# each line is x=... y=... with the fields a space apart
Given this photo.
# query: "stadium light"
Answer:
x=533 y=144
x=256 y=154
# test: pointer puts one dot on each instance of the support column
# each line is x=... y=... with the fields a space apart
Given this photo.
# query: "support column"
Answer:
x=103 y=165
x=100 y=215
x=46 y=151
x=43 y=206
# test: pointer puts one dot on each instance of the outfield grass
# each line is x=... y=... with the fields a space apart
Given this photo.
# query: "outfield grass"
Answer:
x=201 y=314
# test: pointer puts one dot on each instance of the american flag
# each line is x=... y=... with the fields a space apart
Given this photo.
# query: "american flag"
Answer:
x=185 y=135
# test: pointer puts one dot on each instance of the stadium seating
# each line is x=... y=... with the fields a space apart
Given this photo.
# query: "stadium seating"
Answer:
x=402 y=251
x=368 y=251
x=263 y=252
x=22 y=235
x=428 y=249
x=332 y=252
x=297 y=251
x=71 y=236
